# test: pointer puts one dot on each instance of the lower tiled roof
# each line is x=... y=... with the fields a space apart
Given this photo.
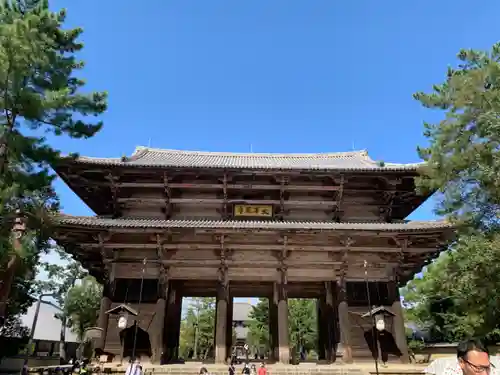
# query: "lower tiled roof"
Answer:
x=99 y=222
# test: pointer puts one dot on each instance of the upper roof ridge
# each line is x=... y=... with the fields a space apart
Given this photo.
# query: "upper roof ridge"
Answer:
x=142 y=150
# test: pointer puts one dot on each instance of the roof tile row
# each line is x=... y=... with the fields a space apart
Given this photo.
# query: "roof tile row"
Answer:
x=98 y=222
x=150 y=157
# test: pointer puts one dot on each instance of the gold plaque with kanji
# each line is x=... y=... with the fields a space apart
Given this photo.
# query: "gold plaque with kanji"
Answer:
x=250 y=210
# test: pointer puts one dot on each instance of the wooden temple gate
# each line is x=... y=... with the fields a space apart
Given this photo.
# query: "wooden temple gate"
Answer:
x=184 y=224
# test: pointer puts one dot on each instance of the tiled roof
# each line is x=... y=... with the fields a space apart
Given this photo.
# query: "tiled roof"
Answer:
x=48 y=327
x=151 y=157
x=97 y=222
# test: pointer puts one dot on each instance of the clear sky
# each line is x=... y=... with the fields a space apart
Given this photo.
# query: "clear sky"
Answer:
x=269 y=75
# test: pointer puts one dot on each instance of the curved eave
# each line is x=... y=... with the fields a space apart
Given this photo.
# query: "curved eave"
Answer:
x=111 y=163
x=145 y=157
x=145 y=223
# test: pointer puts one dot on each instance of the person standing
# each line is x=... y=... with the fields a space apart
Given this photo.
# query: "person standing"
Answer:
x=262 y=369
x=134 y=368
x=246 y=369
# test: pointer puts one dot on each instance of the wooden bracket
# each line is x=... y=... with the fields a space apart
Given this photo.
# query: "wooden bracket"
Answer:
x=223 y=281
x=160 y=249
x=163 y=279
x=225 y=205
x=113 y=179
x=338 y=196
x=161 y=252
x=167 y=195
x=102 y=238
x=284 y=181
x=404 y=243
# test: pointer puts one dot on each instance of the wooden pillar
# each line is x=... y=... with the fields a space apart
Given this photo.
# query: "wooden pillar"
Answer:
x=398 y=322
x=103 y=319
x=329 y=323
x=229 y=327
x=158 y=333
x=177 y=324
x=221 y=320
x=172 y=323
x=273 y=328
x=283 y=340
x=320 y=329
x=344 y=322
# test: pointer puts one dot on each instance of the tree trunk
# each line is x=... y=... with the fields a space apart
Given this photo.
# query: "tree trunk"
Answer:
x=62 y=341
x=4 y=145
x=62 y=334
x=6 y=285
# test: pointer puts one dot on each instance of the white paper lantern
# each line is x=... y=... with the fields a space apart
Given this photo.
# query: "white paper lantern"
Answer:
x=379 y=322
x=122 y=322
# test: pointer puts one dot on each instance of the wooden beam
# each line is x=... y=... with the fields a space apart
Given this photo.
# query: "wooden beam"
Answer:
x=215 y=201
x=254 y=247
x=249 y=186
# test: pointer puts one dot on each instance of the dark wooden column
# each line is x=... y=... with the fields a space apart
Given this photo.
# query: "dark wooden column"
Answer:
x=283 y=339
x=221 y=317
x=229 y=327
x=398 y=322
x=172 y=323
x=157 y=342
x=177 y=323
x=329 y=322
x=273 y=328
x=344 y=322
x=320 y=329
x=103 y=317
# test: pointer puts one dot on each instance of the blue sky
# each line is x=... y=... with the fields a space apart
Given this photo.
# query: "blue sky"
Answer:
x=269 y=75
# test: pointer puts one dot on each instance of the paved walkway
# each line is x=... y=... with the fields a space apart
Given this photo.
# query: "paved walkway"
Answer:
x=359 y=368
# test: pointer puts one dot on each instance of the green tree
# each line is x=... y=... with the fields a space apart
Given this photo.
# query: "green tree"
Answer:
x=258 y=326
x=81 y=306
x=13 y=337
x=198 y=326
x=39 y=95
x=456 y=297
x=302 y=325
x=463 y=158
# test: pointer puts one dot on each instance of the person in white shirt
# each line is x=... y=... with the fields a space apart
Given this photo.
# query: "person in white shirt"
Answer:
x=473 y=359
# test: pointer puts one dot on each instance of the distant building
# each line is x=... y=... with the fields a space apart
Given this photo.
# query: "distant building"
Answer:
x=45 y=340
x=241 y=318
x=47 y=332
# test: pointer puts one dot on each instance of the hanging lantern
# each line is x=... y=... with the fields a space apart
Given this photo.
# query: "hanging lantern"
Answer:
x=122 y=321
x=123 y=311
x=380 y=322
x=379 y=315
